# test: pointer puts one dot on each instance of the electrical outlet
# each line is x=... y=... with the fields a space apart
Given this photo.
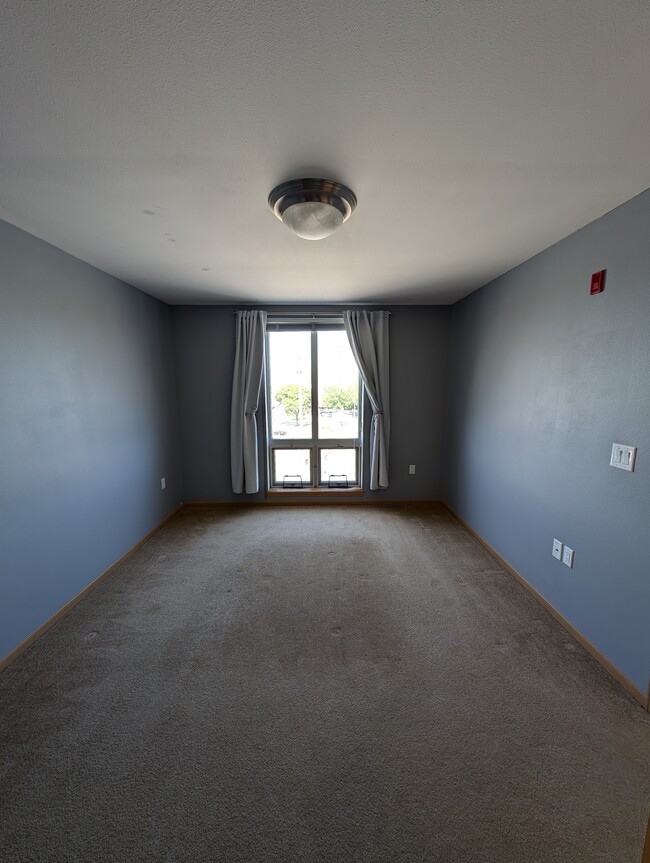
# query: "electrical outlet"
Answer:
x=557 y=549
x=163 y=484
x=567 y=556
x=411 y=468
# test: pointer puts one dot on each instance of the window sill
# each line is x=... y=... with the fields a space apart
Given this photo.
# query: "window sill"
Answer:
x=313 y=492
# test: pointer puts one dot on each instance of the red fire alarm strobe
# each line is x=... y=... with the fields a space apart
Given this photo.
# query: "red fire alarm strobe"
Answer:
x=598 y=282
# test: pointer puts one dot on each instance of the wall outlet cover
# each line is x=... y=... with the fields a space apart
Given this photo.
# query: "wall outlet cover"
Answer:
x=557 y=549
x=567 y=556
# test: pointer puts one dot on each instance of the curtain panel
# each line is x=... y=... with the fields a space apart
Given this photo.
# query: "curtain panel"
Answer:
x=246 y=384
x=368 y=336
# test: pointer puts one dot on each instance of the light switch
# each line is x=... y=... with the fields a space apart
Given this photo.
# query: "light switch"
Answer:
x=623 y=456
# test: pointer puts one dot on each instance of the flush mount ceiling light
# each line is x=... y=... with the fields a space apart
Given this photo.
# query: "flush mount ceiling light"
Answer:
x=313 y=209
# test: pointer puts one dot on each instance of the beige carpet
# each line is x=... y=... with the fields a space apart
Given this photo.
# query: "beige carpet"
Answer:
x=317 y=684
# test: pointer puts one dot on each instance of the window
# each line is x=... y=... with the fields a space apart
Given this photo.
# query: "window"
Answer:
x=313 y=394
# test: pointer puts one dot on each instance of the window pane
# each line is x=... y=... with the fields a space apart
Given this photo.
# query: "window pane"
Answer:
x=338 y=387
x=335 y=462
x=291 y=463
x=290 y=384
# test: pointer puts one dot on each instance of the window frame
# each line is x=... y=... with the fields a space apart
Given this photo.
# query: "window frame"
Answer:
x=314 y=444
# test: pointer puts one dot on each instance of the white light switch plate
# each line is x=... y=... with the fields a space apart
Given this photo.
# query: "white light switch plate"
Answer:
x=567 y=556
x=623 y=456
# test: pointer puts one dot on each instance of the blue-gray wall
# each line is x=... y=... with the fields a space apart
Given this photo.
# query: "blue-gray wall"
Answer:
x=204 y=339
x=88 y=427
x=544 y=378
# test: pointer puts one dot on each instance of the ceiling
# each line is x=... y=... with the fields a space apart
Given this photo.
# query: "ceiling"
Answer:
x=145 y=137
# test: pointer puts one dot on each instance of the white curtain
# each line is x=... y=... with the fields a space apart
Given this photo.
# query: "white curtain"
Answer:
x=246 y=383
x=368 y=337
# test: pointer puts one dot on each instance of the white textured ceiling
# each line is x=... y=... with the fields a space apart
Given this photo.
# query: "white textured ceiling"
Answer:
x=144 y=137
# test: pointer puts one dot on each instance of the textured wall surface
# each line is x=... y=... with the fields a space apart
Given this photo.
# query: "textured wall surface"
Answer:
x=88 y=427
x=544 y=379
x=204 y=338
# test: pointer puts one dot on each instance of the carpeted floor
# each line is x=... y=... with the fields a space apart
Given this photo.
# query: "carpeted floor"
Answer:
x=317 y=684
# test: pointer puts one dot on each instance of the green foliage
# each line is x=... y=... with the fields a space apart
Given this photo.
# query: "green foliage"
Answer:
x=289 y=397
x=340 y=398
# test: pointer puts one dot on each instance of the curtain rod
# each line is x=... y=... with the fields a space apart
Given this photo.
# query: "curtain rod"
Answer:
x=307 y=314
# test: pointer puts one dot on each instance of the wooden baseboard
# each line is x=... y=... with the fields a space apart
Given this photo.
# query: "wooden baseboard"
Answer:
x=15 y=653
x=295 y=499
x=642 y=697
x=646 y=850
x=337 y=494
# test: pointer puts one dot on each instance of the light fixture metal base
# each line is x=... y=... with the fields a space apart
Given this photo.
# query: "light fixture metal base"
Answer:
x=312 y=190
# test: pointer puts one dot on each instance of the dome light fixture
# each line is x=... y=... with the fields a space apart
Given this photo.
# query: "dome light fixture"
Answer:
x=312 y=208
